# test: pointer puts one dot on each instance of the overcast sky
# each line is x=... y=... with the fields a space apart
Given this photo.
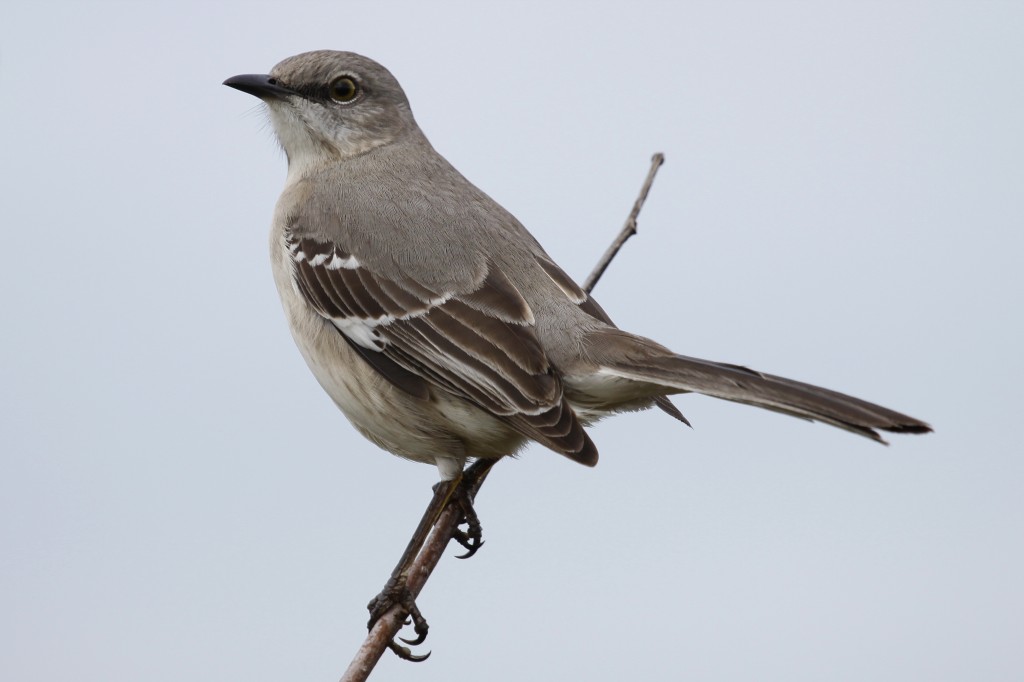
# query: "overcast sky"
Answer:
x=841 y=204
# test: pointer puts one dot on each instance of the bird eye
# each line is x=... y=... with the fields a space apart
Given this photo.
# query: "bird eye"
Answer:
x=343 y=89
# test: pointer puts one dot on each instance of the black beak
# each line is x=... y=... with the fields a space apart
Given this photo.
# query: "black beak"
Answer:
x=260 y=85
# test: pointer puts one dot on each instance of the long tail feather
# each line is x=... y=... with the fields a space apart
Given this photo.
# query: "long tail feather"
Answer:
x=742 y=385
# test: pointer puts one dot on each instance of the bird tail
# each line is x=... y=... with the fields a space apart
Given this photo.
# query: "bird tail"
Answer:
x=635 y=358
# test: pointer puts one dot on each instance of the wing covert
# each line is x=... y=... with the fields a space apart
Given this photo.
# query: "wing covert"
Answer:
x=478 y=344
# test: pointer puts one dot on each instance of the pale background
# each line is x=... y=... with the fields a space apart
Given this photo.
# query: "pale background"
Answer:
x=842 y=203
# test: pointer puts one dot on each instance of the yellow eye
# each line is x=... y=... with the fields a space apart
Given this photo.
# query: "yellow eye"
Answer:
x=343 y=89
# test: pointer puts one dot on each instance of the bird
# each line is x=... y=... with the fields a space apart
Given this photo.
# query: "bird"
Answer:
x=433 y=319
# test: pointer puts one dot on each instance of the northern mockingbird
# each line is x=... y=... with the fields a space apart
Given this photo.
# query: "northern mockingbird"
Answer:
x=433 y=319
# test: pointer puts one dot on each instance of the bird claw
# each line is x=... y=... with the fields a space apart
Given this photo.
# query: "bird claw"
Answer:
x=472 y=542
x=396 y=592
x=404 y=653
x=471 y=538
x=420 y=638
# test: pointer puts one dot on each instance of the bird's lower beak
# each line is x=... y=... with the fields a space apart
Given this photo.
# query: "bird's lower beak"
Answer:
x=259 y=84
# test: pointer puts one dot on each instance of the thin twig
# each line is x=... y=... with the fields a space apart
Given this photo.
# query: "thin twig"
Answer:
x=629 y=229
x=387 y=628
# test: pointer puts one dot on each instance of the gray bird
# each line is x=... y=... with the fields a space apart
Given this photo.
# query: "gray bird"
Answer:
x=433 y=319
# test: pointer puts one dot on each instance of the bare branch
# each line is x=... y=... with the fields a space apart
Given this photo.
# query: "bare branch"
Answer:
x=629 y=229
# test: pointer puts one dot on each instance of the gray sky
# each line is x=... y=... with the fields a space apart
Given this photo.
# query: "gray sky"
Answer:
x=842 y=204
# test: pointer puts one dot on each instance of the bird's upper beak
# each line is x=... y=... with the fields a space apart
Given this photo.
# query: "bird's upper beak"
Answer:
x=259 y=84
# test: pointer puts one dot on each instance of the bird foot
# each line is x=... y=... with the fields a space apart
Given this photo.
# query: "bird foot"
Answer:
x=471 y=538
x=396 y=592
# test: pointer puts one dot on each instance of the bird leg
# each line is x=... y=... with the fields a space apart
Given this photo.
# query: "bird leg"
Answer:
x=396 y=590
x=460 y=491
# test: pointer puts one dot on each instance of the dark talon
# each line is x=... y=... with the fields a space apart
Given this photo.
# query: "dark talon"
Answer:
x=405 y=654
x=421 y=637
x=471 y=552
x=472 y=544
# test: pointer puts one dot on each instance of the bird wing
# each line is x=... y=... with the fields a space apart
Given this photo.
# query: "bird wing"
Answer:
x=476 y=342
